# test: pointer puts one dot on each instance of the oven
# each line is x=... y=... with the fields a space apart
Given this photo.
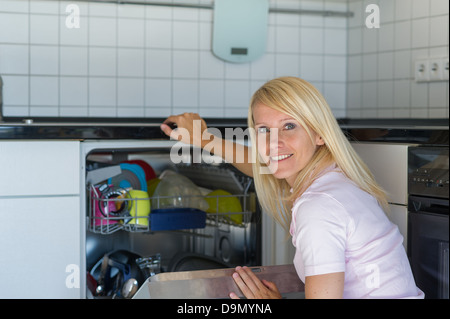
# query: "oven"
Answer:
x=428 y=197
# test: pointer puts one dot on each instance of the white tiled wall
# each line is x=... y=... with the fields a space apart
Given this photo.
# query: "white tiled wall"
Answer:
x=380 y=61
x=151 y=61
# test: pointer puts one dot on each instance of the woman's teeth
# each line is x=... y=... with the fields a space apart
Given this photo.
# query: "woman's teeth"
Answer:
x=280 y=157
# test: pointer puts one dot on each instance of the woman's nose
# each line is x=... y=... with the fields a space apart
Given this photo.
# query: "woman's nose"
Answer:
x=275 y=140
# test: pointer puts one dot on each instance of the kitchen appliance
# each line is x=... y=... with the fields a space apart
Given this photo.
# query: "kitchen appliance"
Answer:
x=184 y=238
x=217 y=283
x=428 y=227
x=243 y=40
x=388 y=162
x=415 y=177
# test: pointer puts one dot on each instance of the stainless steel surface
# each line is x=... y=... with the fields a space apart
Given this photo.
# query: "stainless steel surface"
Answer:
x=428 y=169
x=216 y=283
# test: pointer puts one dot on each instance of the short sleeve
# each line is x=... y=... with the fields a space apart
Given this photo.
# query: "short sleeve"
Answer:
x=320 y=234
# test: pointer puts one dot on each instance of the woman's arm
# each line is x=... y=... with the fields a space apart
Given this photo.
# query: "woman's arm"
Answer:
x=328 y=286
x=192 y=129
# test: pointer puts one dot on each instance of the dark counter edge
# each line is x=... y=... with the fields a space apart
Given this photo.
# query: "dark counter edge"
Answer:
x=420 y=131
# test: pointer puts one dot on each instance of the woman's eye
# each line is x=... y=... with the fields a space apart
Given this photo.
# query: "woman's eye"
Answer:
x=289 y=126
x=263 y=130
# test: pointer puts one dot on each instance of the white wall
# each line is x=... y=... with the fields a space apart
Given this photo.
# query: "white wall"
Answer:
x=381 y=61
x=148 y=61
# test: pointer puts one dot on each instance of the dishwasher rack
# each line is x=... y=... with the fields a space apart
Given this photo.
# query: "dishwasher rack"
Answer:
x=109 y=224
x=194 y=219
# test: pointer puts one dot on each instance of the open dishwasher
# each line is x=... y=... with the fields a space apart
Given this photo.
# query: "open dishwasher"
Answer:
x=122 y=242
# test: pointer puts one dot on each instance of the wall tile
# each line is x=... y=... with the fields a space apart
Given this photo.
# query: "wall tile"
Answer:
x=14 y=59
x=74 y=60
x=210 y=66
x=185 y=64
x=185 y=93
x=102 y=61
x=335 y=68
x=439 y=31
x=44 y=90
x=102 y=91
x=130 y=62
x=44 y=29
x=185 y=35
x=73 y=36
x=73 y=91
x=402 y=35
x=263 y=68
x=311 y=40
x=44 y=60
x=15 y=6
x=102 y=31
x=420 y=33
x=127 y=27
x=237 y=94
x=158 y=63
x=14 y=28
x=287 y=39
x=211 y=93
x=15 y=91
x=158 y=92
x=130 y=92
x=287 y=64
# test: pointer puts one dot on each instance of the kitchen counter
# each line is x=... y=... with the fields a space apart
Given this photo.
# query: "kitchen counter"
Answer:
x=423 y=131
x=100 y=128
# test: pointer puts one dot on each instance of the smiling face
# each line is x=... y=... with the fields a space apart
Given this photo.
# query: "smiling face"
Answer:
x=283 y=144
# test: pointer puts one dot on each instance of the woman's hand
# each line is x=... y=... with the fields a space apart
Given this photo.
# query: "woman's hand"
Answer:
x=252 y=287
x=191 y=129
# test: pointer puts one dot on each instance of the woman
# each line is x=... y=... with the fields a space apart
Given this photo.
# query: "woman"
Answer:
x=325 y=196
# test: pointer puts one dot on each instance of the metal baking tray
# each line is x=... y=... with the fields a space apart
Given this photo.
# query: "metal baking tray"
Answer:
x=217 y=283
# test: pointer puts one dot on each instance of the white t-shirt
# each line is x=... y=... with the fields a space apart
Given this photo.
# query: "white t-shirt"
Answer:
x=337 y=227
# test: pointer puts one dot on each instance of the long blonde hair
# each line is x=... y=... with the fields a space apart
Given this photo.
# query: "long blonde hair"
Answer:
x=303 y=102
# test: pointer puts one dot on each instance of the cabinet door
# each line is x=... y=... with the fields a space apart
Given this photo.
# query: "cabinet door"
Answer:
x=398 y=214
x=40 y=251
x=39 y=168
x=389 y=165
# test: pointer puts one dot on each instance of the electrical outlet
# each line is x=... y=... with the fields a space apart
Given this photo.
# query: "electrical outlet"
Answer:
x=421 y=70
x=445 y=69
x=435 y=69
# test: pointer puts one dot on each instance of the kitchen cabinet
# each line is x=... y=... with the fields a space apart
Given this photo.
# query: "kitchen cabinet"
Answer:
x=40 y=232
x=389 y=165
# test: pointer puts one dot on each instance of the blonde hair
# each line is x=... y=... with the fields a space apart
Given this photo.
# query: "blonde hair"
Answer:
x=303 y=102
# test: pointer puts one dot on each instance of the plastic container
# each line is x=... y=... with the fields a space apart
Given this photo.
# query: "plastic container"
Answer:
x=177 y=218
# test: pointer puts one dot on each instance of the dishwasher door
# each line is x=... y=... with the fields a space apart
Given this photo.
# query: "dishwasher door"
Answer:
x=220 y=243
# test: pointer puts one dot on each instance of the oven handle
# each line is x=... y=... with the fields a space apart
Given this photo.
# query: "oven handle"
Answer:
x=428 y=205
x=443 y=270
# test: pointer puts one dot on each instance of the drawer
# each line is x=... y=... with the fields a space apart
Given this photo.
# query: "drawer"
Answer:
x=35 y=168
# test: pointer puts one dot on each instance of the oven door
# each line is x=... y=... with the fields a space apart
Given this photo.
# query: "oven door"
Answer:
x=428 y=245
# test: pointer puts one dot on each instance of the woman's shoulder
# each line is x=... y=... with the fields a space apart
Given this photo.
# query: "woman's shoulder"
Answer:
x=330 y=182
x=330 y=189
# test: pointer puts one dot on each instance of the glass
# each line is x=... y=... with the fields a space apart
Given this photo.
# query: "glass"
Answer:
x=150 y=265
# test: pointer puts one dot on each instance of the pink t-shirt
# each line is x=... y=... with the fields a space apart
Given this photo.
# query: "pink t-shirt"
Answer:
x=337 y=227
